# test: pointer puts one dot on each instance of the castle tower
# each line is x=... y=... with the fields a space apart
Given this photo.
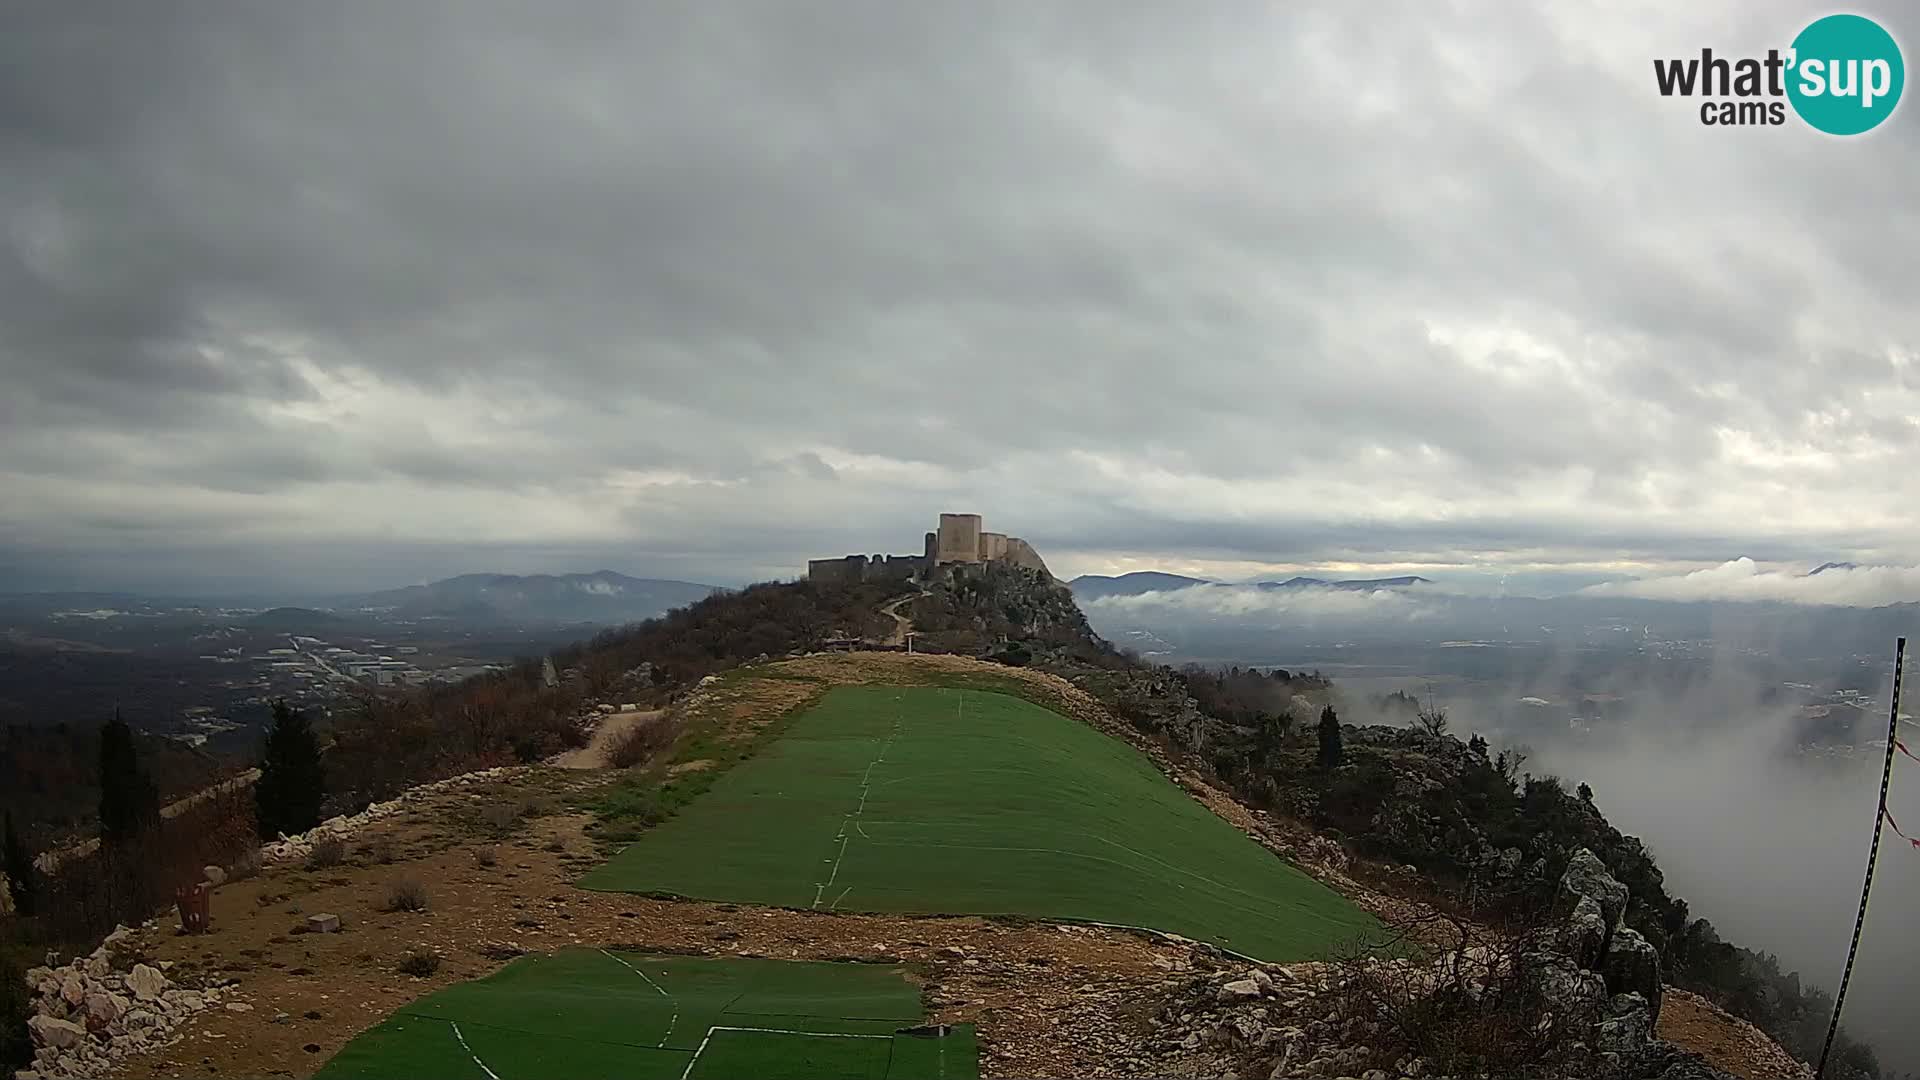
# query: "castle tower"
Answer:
x=959 y=539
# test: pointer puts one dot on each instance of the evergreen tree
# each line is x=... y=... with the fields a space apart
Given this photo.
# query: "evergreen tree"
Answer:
x=1330 y=748
x=16 y=1005
x=292 y=780
x=17 y=863
x=129 y=803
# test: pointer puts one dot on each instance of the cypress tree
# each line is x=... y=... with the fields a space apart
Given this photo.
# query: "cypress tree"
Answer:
x=18 y=865
x=292 y=781
x=1330 y=748
x=129 y=803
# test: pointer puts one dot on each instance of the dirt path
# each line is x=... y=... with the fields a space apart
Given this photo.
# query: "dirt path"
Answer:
x=1726 y=1041
x=902 y=626
x=612 y=727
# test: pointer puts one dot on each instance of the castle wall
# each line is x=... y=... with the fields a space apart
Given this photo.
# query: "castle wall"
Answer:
x=993 y=546
x=959 y=539
x=844 y=571
x=857 y=568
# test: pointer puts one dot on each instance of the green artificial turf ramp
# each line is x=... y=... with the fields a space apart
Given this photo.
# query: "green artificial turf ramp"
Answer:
x=945 y=801
x=594 y=1014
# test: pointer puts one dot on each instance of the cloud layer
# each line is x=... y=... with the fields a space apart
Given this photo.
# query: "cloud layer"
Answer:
x=1744 y=580
x=359 y=293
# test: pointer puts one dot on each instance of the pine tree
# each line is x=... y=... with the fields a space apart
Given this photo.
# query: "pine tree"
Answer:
x=18 y=866
x=1330 y=748
x=292 y=781
x=16 y=1005
x=129 y=803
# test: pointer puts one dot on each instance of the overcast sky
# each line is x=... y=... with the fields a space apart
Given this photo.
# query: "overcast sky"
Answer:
x=356 y=294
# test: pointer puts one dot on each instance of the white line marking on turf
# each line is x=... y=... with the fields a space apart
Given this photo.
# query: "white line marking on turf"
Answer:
x=866 y=787
x=663 y=993
x=470 y=1053
x=842 y=896
x=688 y=1071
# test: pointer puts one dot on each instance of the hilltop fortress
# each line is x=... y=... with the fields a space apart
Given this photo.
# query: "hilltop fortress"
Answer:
x=959 y=539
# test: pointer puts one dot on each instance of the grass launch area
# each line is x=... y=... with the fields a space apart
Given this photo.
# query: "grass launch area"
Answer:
x=592 y=1015
x=945 y=801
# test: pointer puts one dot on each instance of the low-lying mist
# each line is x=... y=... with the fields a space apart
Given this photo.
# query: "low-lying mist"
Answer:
x=1690 y=722
x=1769 y=845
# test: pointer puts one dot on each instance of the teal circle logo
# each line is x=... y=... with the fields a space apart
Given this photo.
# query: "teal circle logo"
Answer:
x=1846 y=74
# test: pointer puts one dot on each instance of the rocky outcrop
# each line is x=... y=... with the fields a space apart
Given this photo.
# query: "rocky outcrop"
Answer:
x=1595 y=982
x=98 y=1009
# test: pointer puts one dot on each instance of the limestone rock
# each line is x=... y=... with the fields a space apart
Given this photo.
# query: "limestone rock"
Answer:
x=146 y=982
x=1629 y=1030
x=213 y=875
x=1239 y=990
x=58 y=1034
x=104 y=1008
x=323 y=923
x=1632 y=966
x=73 y=990
x=1587 y=876
x=1584 y=937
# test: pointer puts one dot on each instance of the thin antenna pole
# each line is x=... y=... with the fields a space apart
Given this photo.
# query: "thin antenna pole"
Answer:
x=1873 y=856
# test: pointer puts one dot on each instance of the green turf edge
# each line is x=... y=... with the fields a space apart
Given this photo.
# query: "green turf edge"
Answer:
x=1365 y=928
x=414 y=1042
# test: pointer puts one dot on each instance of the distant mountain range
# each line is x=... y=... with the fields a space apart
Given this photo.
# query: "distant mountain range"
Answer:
x=600 y=597
x=1360 y=585
x=1096 y=586
x=1099 y=586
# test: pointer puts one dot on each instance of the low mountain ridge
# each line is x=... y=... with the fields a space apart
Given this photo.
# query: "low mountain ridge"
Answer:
x=1359 y=585
x=1139 y=582
x=1096 y=586
x=602 y=597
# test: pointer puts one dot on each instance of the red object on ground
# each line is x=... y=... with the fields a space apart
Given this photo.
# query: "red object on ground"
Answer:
x=193 y=901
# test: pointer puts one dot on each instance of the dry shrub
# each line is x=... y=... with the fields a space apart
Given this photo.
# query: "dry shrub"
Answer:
x=638 y=744
x=1479 y=1008
x=327 y=853
x=500 y=818
x=246 y=865
x=406 y=895
x=419 y=963
x=379 y=852
x=130 y=881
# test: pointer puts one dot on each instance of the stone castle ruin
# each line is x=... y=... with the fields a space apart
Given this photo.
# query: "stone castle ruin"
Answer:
x=959 y=539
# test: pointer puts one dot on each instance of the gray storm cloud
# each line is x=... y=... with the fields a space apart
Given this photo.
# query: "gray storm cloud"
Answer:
x=332 y=293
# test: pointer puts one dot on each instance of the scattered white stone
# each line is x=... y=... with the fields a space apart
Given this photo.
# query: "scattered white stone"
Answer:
x=339 y=828
x=56 y=1034
x=239 y=1006
x=1240 y=990
x=104 y=1008
x=146 y=982
x=323 y=924
x=213 y=875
